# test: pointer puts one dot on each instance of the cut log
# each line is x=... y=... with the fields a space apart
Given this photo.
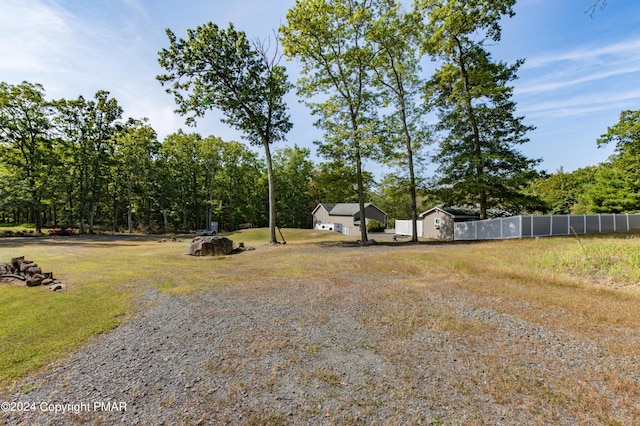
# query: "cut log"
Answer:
x=24 y=266
x=18 y=277
x=33 y=282
x=34 y=270
x=16 y=261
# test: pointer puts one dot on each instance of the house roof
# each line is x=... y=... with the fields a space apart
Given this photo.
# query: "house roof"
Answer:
x=326 y=206
x=454 y=212
x=345 y=209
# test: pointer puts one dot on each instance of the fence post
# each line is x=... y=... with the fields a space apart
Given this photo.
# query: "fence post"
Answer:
x=520 y=227
x=532 y=228
x=569 y=224
x=551 y=225
x=613 y=215
x=585 y=223
x=599 y=223
x=628 y=223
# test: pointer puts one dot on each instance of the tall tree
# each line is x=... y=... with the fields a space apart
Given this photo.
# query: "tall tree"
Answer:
x=479 y=161
x=179 y=152
x=616 y=185
x=626 y=136
x=136 y=149
x=222 y=69
x=88 y=128
x=26 y=145
x=331 y=40
x=396 y=36
x=614 y=189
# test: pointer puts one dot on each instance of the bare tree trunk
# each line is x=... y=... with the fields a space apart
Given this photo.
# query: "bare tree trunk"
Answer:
x=92 y=215
x=363 y=217
x=129 y=212
x=272 y=196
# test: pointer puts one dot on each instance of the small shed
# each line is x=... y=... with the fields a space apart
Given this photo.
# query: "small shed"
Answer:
x=438 y=221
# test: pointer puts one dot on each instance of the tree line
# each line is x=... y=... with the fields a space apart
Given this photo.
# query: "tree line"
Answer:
x=609 y=187
x=77 y=162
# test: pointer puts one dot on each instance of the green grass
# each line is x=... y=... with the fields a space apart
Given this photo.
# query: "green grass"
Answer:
x=614 y=259
x=22 y=226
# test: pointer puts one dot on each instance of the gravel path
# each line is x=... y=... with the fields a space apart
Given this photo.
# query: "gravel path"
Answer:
x=318 y=353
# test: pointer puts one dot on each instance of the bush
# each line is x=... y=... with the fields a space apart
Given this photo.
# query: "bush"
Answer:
x=375 y=226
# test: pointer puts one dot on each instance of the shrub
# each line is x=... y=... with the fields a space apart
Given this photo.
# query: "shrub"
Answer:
x=375 y=226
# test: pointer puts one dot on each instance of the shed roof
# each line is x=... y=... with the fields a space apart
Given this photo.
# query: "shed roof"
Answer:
x=454 y=212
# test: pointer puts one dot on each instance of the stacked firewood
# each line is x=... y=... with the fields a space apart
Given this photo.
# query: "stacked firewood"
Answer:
x=28 y=271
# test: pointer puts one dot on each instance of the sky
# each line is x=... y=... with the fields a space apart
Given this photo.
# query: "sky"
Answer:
x=580 y=71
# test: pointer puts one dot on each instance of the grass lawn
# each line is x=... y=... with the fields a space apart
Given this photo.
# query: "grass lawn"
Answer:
x=587 y=288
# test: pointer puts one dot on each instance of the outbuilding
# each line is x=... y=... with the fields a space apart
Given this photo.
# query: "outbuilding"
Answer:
x=345 y=217
x=437 y=222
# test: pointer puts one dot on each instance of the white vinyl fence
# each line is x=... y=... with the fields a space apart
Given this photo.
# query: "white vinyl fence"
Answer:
x=405 y=227
x=543 y=226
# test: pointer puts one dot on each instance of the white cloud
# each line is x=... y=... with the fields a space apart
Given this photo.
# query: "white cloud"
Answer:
x=580 y=104
x=628 y=48
x=34 y=35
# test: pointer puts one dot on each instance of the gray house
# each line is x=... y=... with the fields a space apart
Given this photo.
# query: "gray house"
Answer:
x=345 y=217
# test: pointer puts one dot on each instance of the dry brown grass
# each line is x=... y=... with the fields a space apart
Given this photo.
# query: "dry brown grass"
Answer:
x=464 y=334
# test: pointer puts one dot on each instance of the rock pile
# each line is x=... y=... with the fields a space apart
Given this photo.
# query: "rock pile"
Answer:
x=210 y=246
x=21 y=269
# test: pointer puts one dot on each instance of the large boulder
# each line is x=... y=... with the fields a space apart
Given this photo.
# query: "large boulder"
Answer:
x=210 y=246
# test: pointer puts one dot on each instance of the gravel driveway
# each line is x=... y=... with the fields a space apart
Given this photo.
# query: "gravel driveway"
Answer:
x=317 y=352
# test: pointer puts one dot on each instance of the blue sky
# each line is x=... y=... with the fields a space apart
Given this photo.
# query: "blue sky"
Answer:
x=580 y=71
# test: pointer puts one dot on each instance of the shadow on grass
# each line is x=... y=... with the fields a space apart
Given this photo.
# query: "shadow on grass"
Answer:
x=98 y=241
x=387 y=243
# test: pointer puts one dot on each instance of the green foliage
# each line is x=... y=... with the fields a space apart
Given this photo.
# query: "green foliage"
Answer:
x=479 y=163
x=219 y=68
x=26 y=148
x=293 y=174
x=392 y=197
x=616 y=187
x=88 y=130
x=210 y=179
x=396 y=66
x=336 y=182
x=375 y=226
x=89 y=168
x=330 y=40
x=563 y=193
x=133 y=173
